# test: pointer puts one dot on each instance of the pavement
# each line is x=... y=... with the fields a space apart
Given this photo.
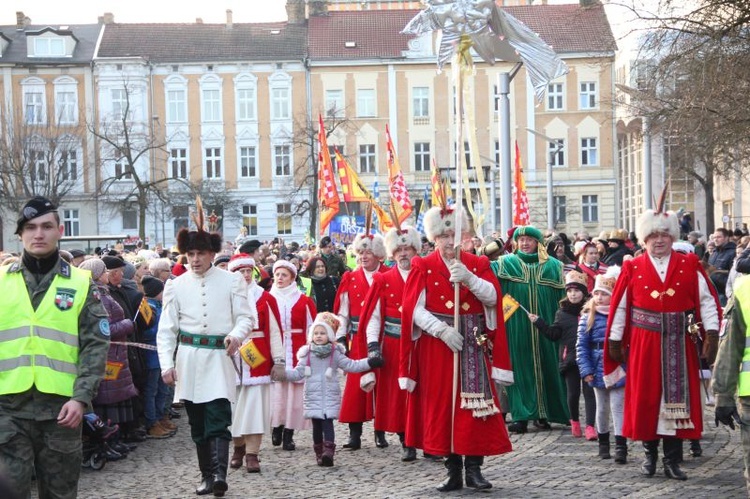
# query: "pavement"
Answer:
x=543 y=464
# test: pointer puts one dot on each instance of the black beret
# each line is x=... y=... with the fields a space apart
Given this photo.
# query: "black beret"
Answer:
x=112 y=262
x=325 y=242
x=34 y=207
x=151 y=286
x=249 y=247
x=76 y=253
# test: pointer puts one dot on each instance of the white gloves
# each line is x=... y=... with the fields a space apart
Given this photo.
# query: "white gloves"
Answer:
x=450 y=337
x=459 y=273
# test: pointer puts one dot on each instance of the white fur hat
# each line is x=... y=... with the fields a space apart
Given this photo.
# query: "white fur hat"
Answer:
x=287 y=265
x=650 y=222
x=372 y=242
x=407 y=236
x=438 y=220
x=329 y=322
x=240 y=261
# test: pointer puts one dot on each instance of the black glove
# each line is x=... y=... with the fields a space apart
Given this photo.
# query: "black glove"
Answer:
x=374 y=362
x=727 y=415
x=373 y=350
x=343 y=343
x=615 y=351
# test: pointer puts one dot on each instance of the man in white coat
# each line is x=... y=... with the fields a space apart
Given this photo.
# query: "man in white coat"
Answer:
x=207 y=311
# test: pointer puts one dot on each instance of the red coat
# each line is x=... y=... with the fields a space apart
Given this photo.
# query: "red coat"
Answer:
x=267 y=308
x=300 y=310
x=356 y=405
x=386 y=295
x=643 y=385
x=435 y=421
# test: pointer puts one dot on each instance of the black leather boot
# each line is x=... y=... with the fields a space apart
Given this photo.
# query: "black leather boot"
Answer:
x=355 y=437
x=695 y=448
x=276 y=435
x=651 y=449
x=518 y=427
x=287 y=439
x=454 y=465
x=604 y=446
x=408 y=454
x=474 y=478
x=205 y=463
x=221 y=460
x=672 y=451
x=621 y=449
x=380 y=441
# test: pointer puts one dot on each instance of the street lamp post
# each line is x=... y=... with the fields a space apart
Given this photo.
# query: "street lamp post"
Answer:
x=550 y=194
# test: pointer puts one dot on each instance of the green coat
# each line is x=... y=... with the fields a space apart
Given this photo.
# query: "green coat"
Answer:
x=538 y=391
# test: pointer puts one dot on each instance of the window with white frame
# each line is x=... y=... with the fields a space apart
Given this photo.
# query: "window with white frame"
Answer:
x=119 y=99
x=212 y=160
x=248 y=161
x=422 y=157
x=558 y=203
x=250 y=219
x=555 y=97
x=34 y=106
x=284 y=219
x=367 y=158
x=129 y=219
x=68 y=164
x=334 y=103
x=211 y=104
x=72 y=222
x=48 y=47
x=38 y=161
x=178 y=162
x=246 y=102
x=420 y=102
x=556 y=152
x=280 y=103
x=366 y=103
x=282 y=160
x=589 y=154
x=590 y=208
x=176 y=106
x=496 y=97
x=122 y=169
x=587 y=97
x=66 y=104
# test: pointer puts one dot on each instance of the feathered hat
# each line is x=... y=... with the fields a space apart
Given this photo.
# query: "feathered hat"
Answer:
x=372 y=242
x=401 y=235
x=198 y=239
x=658 y=220
x=606 y=282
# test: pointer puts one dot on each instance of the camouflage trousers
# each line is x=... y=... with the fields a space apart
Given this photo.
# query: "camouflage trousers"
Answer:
x=54 y=452
x=744 y=409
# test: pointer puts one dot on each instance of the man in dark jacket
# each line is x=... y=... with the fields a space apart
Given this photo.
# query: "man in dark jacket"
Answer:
x=721 y=260
x=617 y=248
x=335 y=265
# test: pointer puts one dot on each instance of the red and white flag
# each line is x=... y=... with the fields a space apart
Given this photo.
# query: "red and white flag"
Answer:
x=328 y=196
x=520 y=201
x=397 y=187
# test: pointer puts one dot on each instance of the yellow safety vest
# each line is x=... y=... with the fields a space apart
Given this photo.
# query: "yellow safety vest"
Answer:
x=40 y=347
x=742 y=300
x=305 y=285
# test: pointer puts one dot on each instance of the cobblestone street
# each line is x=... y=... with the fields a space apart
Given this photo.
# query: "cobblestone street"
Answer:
x=544 y=464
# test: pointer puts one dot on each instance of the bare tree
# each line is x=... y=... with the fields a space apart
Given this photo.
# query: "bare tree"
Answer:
x=38 y=160
x=125 y=147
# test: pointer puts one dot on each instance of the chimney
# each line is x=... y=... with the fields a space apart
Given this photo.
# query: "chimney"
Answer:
x=21 y=20
x=107 y=18
x=229 y=19
x=589 y=3
x=295 y=11
x=318 y=7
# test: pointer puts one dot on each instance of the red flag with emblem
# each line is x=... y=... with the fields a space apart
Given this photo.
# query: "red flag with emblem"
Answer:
x=520 y=200
x=402 y=206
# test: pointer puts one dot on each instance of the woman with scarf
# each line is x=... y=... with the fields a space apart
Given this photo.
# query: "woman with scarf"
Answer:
x=324 y=286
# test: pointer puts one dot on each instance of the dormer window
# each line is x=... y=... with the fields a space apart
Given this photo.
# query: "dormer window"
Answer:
x=50 y=42
x=49 y=47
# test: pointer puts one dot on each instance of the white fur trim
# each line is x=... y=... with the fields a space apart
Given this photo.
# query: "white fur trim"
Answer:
x=650 y=222
x=612 y=378
x=287 y=265
x=436 y=223
x=407 y=384
x=366 y=379
x=363 y=243
x=409 y=237
x=329 y=373
x=326 y=326
x=240 y=261
x=258 y=380
x=502 y=376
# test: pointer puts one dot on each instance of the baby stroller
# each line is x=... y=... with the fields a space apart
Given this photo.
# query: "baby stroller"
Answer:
x=95 y=441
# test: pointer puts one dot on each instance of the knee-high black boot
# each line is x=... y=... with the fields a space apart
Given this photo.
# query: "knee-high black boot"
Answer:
x=355 y=437
x=474 y=478
x=205 y=463
x=220 y=462
x=651 y=449
x=454 y=465
x=672 y=452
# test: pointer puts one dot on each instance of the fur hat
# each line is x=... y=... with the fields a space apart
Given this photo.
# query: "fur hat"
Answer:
x=407 y=236
x=438 y=220
x=606 y=282
x=372 y=242
x=329 y=321
x=199 y=239
x=577 y=280
x=683 y=247
x=240 y=261
x=650 y=222
x=285 y=264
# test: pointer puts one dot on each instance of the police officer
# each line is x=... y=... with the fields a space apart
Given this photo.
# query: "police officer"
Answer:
x=54 y=337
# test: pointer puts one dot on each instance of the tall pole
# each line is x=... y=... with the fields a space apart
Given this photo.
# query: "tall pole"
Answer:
x=506 y=202
x=647 y=180
x=550 y=196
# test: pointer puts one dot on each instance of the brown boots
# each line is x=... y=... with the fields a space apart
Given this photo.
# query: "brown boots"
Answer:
x=252 y=463
x=236 y=461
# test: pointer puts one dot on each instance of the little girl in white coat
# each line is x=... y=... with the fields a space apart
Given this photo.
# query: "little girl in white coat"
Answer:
x=318 y=364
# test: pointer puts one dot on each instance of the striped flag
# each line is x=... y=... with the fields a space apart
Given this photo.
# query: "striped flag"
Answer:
x=520 y=200
x=354 y=190
x=422 y=210
x=397 y=186
x=328 y=196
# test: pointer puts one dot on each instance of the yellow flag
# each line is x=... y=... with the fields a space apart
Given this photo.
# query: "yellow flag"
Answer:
x=145 y=311
x=510 y=305
x=250 y=354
